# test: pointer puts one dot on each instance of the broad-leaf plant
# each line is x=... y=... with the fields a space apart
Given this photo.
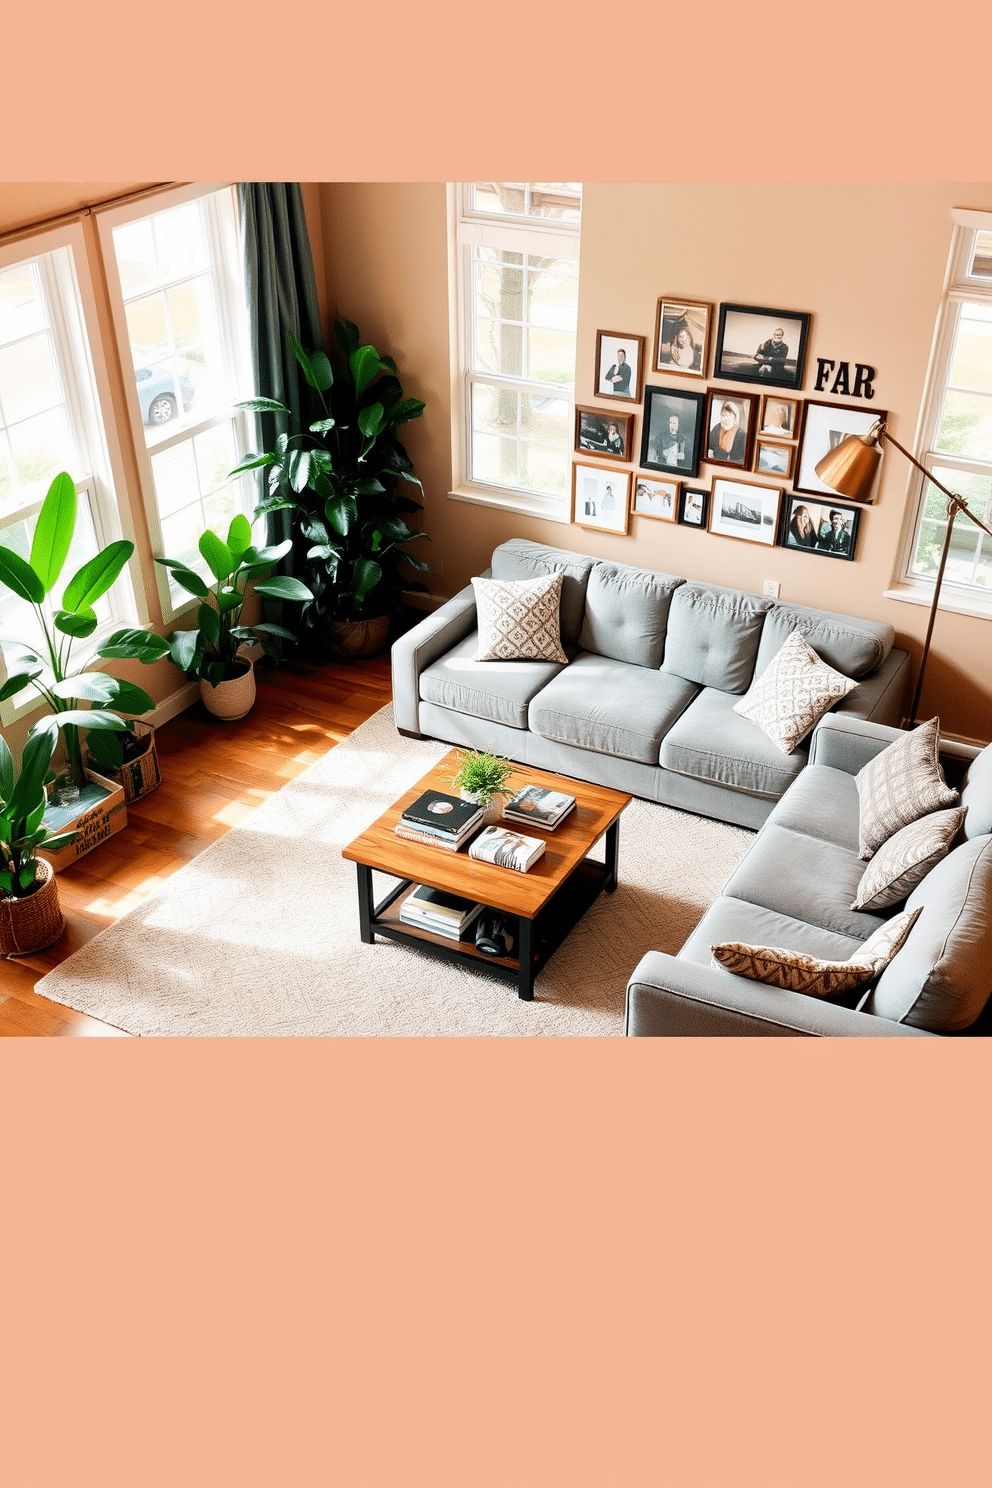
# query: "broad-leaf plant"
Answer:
x=22 y=807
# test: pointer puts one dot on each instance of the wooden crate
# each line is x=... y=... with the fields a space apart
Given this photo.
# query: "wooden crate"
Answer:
x=95 y=819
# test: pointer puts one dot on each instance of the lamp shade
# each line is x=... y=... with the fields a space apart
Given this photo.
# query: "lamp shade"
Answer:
x=850 y=468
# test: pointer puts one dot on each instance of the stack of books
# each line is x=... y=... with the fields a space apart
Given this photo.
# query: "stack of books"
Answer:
x=506 y=848
x=441 y=913
x=536 y=807
x=437 y=820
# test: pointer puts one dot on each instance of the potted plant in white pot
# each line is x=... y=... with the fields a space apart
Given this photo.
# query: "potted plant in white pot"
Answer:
x=482 y=778
x=30 y=916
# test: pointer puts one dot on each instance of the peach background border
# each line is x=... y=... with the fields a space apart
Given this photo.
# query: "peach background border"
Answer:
x=540 y=1263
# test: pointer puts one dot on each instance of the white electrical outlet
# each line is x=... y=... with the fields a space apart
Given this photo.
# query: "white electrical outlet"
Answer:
x=771 y=589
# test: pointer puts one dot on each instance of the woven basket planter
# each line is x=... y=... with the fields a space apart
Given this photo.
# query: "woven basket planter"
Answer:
x=141 y=775
x=355 y=639
x=32 y=923
x=233 y=699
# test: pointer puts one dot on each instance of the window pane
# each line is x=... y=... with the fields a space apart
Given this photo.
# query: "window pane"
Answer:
x=966 y=425
x=41 y=447
x=22 y=309
x=551 y=357
x=553 y=293
x=981 y=261
x=971 y=363
x=561 y=200
x=519 y=439
x=29 y=381
x=969 y=552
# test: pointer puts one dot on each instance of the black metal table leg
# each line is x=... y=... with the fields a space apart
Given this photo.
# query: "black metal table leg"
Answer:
x=525 y=952
x=612 y=855
x=366 y=907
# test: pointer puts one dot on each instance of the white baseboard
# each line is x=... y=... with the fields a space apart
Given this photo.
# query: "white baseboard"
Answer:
x=177 y=702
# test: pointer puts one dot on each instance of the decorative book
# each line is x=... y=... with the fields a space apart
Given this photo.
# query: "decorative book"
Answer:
x=506 y=848
x=448 y=816
x=539 y=806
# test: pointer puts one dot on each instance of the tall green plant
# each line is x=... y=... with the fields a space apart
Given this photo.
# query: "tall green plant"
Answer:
x=22 y=807
x=48 y=668
x=340 y=478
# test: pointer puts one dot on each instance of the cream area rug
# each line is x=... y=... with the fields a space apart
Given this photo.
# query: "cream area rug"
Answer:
x=259 y=934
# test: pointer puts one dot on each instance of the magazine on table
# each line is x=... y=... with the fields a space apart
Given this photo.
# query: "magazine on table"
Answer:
x=428 y=839
x=506 y=848
x=539 y=806
x=448 y=815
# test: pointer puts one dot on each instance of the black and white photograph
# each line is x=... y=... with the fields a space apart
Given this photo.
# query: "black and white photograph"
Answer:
x=824 y=426
x=730 y=420
x=779 y=417
x=601 y=498
x=693 y=507
x=773 y=459
x=673 y=430
x=619 y=366
x=605 y=434
x=740 y=509
x=654 y=498
x=828 y=528
x=756 y=345
x=682 y=337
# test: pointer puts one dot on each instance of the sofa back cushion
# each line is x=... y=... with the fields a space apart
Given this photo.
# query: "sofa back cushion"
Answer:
x=713 y=635
x=942 y=977
x=976 y=795
x=627 y=613
x=854 y=647
x=520 y=559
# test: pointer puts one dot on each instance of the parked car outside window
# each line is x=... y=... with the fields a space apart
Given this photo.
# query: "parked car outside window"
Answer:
x=157 y=391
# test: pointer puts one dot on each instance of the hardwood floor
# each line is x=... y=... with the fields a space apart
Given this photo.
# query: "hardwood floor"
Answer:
x=213 y=775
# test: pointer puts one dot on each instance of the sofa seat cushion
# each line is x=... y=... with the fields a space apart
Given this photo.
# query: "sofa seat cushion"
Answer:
x=729 y=919
x=806 y=878
x=822 y=803
x=521 y=559
x=845 y=642
x=942 y=977
x=713 y=635
x=712 y=742
x=497 y=690
x=611 y=707
x=627 y=613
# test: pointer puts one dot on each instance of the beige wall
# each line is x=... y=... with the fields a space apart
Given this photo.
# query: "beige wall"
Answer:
x=867 y=261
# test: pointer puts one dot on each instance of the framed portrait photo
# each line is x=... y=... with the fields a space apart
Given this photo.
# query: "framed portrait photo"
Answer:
x=619 y=366
x=757 y=345
x=601 y=498
x=740 y=509
x=779 y=417
x=682 y=337
x=730 y=421
x=656 y=498
x=827 y=528
x=824 y=426
x=672 y=433
x=693 y=507
x=773 y=459
x=607 y=435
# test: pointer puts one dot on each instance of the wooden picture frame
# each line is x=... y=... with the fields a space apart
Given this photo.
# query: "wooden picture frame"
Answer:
x=658 y=499
x=745 y=406
x=780 y=417
x=672 y=430
x=682 y=336
x=603 y=433
x=810 y=526
x=745 y=511
x=610 y=346
x=824 y=426
x=601 y=498
x=773 y=459
x=694 y=506
x=758 y=345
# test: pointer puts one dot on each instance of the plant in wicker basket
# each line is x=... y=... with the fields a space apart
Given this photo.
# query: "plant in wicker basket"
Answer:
x=30 y=917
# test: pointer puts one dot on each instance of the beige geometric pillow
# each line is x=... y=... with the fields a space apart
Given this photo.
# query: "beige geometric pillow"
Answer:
x=518 y=619
x=900 y=785
x=906 y=858
x=795 y=972
x=793 y=693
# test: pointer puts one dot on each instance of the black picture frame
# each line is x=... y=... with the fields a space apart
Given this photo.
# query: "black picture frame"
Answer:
x=680 y=455
x=744 y=330
x=818 y=512
x=692 y=500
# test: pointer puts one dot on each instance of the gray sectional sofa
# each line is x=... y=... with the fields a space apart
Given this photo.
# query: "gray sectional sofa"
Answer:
x=645 y=703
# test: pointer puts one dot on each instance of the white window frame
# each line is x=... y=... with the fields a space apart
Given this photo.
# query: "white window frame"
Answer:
x=958 y=288
x=175 y=603
x=468 y=229
x=88 y=394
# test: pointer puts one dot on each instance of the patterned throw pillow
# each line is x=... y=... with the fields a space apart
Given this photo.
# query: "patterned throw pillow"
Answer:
x=795 y=972
x=906 y=858
x=793 y=693
x=518 y=619
x=900 y=785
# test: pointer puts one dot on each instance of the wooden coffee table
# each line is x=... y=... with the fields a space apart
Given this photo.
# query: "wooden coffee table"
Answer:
x=546 y=901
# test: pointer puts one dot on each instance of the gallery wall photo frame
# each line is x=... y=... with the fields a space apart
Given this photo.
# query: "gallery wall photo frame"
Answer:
x=694 y=507
x=601 y=498
x=772 y=458
x=824 y=426
x=672 y=430
x=828 y=529
x=731 y=417
x=682 y=336
x=744 y=510
x=656 y=498
x=754 y=344
x=607 y=435
x=780 y=417
x=619 y=366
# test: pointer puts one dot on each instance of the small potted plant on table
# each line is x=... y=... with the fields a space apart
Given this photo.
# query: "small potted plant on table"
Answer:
x=482 y=778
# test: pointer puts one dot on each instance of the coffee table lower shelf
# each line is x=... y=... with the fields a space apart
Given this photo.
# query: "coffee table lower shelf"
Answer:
x=537 y=939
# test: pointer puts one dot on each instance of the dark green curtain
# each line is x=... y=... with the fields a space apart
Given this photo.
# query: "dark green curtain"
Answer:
x=282 y=296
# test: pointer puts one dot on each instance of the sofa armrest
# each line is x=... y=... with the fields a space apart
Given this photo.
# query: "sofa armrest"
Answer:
x=880 y=697
x=669 y=998
x=847 y=743
x=421 y=646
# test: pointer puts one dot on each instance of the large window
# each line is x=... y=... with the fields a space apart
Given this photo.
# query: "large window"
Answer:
x=956 y=431
x=183 y=325
x=518 y=269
